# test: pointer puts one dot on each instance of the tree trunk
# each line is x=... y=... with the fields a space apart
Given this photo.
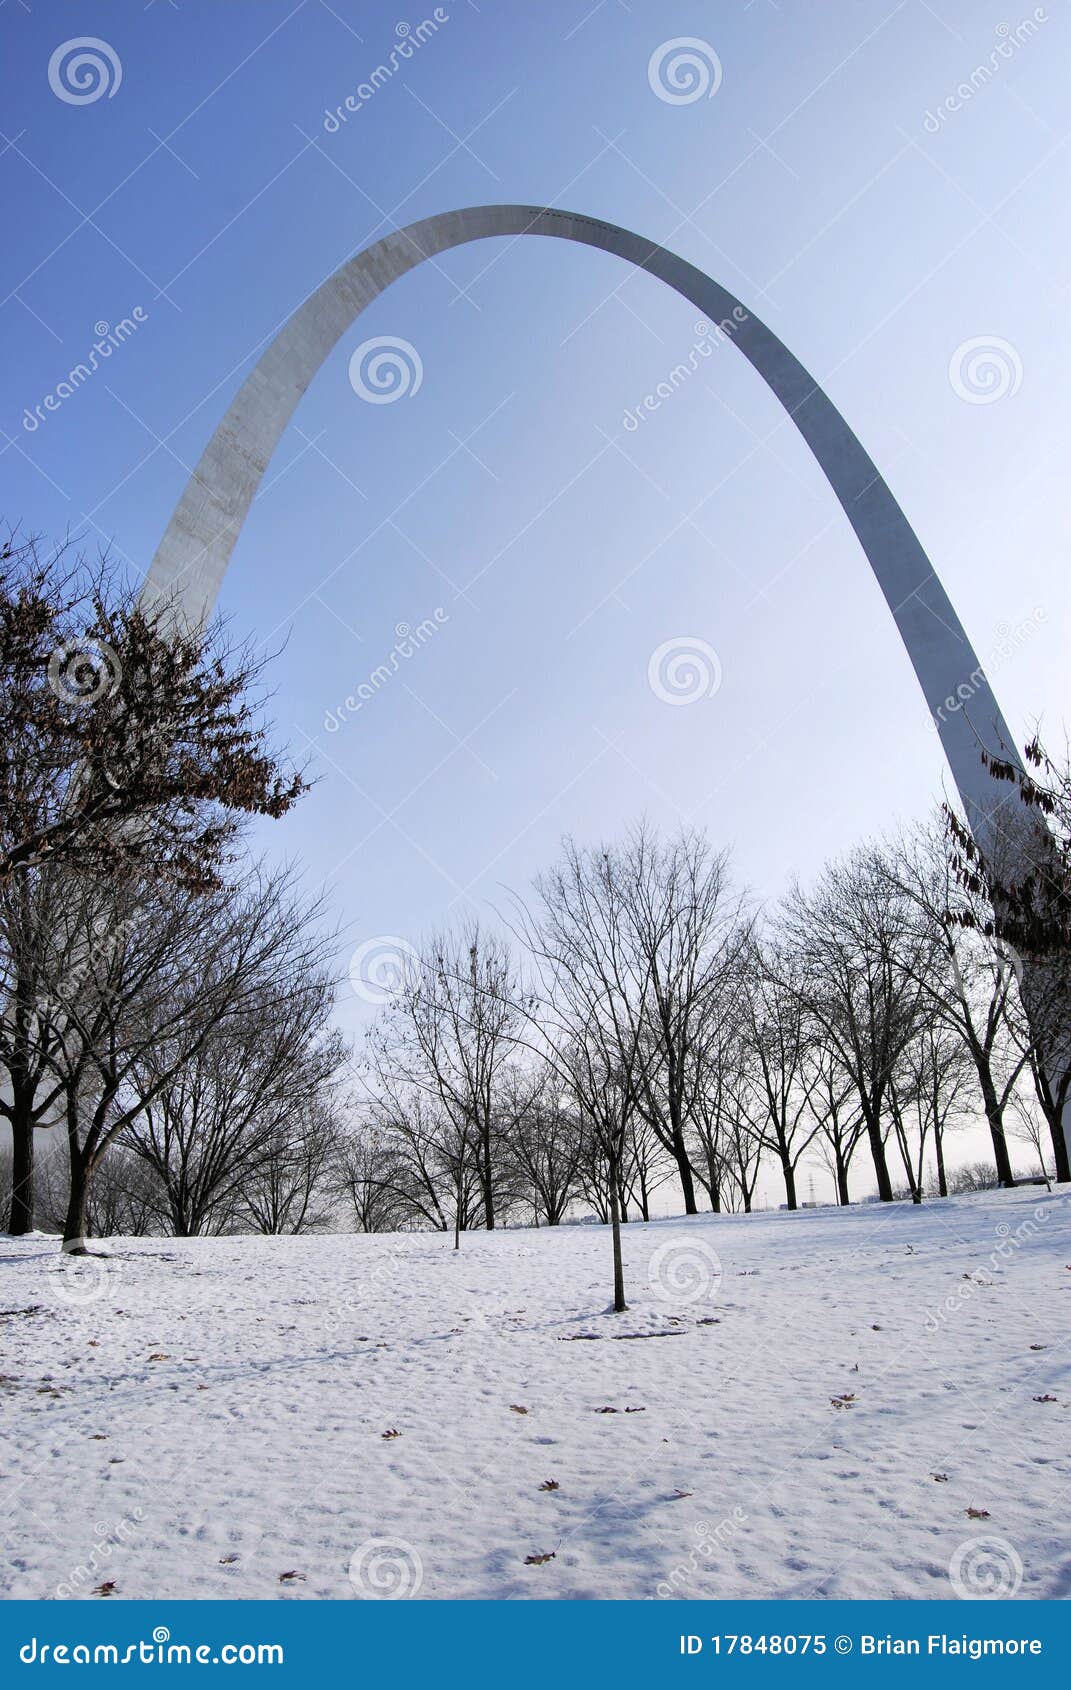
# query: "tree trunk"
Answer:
x=22 y=1148
x=620 y=1304
x=74 y=1227
x=939 y=1156
x=1060 y=1157
x=488 y=1195
x=790 y=1183
x=842 y=1180
x=684 y=1167
x=996 y=1131
x=881 y=1166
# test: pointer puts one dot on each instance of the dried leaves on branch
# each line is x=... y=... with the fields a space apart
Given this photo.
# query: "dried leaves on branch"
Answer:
x=125 y=737
x=1030 y=912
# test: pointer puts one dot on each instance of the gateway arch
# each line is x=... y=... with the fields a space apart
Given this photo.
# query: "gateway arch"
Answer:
x=189 y=565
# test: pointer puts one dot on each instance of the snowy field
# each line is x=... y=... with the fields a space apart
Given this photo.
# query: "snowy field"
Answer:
x=208 y=1418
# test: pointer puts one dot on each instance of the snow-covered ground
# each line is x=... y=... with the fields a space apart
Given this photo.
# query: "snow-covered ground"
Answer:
x=209 y=1418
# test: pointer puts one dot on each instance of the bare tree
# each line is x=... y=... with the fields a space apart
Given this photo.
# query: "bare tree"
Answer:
x=968 y=980
x=687 y=930
x=546 y=1143
x=450 y=1033
x=779 y=1093
x=596 y=989
x=237 y=1122
x=927 y=1088
x=139 y=1010
x=858 y=957
x=288 y=1184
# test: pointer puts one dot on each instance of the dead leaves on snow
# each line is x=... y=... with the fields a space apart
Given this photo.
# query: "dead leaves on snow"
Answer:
x=539 y=1560
x=846 y=1400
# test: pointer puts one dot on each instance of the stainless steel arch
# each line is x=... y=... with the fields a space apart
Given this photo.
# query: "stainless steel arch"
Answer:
x=189 y=565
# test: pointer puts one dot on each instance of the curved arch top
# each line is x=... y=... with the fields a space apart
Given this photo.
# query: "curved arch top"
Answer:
x=190 y=562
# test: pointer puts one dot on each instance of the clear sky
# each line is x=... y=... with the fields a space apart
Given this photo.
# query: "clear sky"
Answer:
x=823 y=175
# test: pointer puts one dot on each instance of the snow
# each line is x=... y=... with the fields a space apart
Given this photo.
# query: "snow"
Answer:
x=198 y=1418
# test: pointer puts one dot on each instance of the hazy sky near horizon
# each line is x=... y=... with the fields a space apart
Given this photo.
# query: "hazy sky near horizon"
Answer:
x=908 y=242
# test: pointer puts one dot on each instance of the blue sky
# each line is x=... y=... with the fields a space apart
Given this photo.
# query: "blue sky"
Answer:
x=560 y=547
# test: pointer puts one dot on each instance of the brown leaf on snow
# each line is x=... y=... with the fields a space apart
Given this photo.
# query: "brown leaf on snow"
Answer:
x=518 y=1408
x=227 y=1560
x=539 y=1560
x=847 y=1400
x=105 y=1589
x=391 y=1432
x=679 y=1495
x=939 y=1478
x=292 y=1578
x=550 y=1484
x=159 y=1355
x=606 y=1410
x=977 y=1513
x=1037 y=1346
x=1046 y=1398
